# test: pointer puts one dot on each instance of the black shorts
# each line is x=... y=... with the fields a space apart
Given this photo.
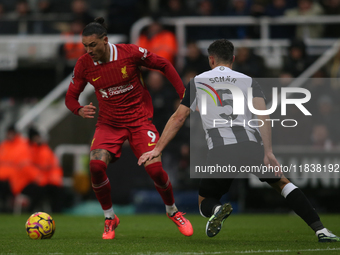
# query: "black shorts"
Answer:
x=238 y=155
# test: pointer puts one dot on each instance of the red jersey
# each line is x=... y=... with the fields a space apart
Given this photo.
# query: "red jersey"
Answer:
x=122 y=96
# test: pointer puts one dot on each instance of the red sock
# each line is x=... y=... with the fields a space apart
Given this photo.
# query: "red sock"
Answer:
x=100 y=183
x=161 y=181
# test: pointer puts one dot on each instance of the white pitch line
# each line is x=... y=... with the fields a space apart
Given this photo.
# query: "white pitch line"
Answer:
x=237 y=252
x=212 y=253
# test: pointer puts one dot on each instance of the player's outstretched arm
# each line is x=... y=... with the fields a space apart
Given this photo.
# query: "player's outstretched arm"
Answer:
x=266 y=134
x=88 y=111
x=175 y=122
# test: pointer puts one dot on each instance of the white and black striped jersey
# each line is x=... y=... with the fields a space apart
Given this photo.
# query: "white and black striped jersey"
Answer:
x=212 y=94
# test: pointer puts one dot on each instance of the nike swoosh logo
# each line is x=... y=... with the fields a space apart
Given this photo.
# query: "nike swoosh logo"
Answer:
x=151 y=144
x=94 y=79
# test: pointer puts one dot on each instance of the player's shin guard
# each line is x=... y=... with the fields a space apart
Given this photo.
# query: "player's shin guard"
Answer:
x=301 y=206
x=162 y=182
x=208 y=205
x=100 y=183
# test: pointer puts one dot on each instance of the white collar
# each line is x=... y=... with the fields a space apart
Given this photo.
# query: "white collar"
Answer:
x=114 y=57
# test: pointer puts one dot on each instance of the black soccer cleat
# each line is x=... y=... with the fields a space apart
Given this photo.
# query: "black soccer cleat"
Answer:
x=215 y=222
x=326 y=236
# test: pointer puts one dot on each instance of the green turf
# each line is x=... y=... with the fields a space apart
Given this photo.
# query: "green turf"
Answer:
x=156 y=234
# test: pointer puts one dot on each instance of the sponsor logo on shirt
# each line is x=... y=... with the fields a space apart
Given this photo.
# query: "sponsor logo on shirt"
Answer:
x=103 y=92
x=106 y=93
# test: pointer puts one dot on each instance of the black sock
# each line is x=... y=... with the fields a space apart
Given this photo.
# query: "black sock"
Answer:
x=302 y=207
x=208 y=206
x=316 y=226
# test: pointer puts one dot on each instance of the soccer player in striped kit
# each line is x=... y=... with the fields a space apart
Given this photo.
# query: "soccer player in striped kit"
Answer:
x=234 y=145
x=125 y=112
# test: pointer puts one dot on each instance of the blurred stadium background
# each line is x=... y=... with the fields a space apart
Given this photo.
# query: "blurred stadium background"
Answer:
x=290 y=41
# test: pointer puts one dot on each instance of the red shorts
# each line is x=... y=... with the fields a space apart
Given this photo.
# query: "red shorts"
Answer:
x=142 y=138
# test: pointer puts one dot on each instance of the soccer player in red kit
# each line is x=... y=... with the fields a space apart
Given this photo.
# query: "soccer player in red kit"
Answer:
x=125 y=112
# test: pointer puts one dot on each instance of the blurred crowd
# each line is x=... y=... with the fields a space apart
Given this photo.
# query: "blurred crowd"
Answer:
x=30 y=174
x=122 y=14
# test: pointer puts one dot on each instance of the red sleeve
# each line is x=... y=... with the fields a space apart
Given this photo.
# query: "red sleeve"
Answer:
x=148 y=59
x=76 y=86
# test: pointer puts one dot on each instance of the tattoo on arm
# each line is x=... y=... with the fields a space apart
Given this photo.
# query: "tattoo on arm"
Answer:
x=102 y=155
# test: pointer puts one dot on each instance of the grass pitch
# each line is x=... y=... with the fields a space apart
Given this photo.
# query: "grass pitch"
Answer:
x=156 y=234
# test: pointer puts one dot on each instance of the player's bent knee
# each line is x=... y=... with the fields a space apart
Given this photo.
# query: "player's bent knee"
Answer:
x=97 y=167
x=279 y=185
x=282 y=182
x=101 y=154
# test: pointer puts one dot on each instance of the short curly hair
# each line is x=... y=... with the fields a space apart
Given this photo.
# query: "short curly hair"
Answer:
x=223 y=50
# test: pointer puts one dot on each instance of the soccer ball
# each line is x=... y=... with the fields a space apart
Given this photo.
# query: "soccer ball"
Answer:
x=40 y=225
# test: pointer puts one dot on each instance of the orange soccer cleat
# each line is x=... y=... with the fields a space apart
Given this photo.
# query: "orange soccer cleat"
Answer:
x=109 y=228
x=182 y=223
